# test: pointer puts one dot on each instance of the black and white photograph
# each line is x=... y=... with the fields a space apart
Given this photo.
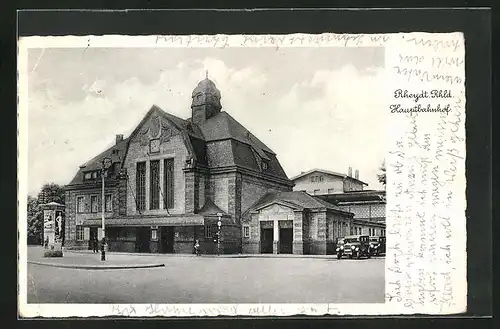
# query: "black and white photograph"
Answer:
x=262 y=175
x=202 y=175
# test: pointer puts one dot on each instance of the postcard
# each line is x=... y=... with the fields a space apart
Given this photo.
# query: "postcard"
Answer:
x=242 y=175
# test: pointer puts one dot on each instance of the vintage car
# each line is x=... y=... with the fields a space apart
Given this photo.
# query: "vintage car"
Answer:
x=340 y=247
x=381 y=240
x=356 y=246
x=377 y=245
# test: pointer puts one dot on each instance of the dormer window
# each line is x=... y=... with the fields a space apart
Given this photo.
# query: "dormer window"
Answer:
x=265 y=165
x=95 y=174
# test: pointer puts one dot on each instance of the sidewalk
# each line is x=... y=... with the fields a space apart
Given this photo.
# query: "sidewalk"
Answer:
x=89 y=260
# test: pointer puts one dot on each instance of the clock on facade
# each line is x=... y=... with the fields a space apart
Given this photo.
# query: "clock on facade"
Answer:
x=154 y=146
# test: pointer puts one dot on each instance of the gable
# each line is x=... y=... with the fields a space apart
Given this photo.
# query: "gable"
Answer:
x=319 y=177
x=155 y=127
x=164 y=128
x=276 y=211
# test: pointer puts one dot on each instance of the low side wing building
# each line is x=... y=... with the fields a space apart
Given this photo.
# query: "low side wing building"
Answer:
x=294 y=222
x=348 y=192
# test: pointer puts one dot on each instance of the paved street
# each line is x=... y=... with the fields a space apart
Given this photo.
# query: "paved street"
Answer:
x=209 y=280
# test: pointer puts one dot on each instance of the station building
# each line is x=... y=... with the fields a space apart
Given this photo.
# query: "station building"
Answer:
x=173 y=180
x=347 y=192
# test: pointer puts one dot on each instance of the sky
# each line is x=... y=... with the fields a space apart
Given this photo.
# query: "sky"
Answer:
x=314 y=107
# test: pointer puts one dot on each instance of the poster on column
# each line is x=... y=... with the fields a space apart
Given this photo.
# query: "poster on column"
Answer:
x=357 y=139
x=49 y=226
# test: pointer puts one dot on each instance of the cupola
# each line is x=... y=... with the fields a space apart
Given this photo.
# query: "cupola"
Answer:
x=205 y=101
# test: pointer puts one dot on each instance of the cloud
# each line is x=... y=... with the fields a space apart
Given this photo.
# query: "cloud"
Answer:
x=331 y=119
x=343 y=126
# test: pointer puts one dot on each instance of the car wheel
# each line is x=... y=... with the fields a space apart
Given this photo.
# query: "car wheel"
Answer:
x=339 y=256
x=358 y=255
x=350 y=256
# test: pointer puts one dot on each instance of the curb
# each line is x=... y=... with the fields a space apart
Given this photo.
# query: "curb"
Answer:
x=98 y=267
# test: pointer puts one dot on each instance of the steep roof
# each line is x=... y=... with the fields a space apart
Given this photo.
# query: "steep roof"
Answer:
x=300 y=199
x=243 y=146
x=224 y=126
x=116 y=153
x=210 y=208
x=328 y=172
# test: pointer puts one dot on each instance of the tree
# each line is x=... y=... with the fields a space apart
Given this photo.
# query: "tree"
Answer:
x=35 y=221
x=381 y=176
x=49 y=193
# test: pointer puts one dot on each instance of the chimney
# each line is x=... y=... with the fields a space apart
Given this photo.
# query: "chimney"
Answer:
x=349 y=172
x=119 y=138
x=356 y=174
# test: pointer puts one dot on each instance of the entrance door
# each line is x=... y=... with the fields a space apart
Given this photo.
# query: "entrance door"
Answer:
x=286 y=240
x=92 y=237
x=142 y=239
x=167 y=239
x=266 y=240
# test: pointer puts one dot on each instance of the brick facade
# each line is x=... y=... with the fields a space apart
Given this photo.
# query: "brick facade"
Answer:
x=174 y=148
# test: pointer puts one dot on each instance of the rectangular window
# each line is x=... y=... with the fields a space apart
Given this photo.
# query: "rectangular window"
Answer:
x=79 y=233
x=246 y=231
x=140 y=185
x=154 y=184
x=209 y=232
x=108 y=200
x=331 y=190
x=88 y=175
x=154 y=237
x=94 y=206
x=80 y=205
x=168 y=183
x=316 y=192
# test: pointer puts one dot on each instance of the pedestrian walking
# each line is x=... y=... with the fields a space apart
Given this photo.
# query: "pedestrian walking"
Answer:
x=197 y=247
x=94 y=245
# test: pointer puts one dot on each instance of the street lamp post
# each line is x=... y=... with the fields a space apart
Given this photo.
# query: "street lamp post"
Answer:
x=105 y=164
x=219 y=224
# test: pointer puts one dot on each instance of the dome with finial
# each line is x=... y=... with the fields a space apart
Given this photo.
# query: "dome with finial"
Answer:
x=206 y=87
